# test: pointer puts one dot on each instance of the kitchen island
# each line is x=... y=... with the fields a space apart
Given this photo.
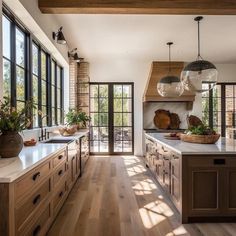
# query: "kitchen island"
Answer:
x=200 y=179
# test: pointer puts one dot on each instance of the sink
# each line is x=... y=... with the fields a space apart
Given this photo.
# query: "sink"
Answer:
x=59 y=141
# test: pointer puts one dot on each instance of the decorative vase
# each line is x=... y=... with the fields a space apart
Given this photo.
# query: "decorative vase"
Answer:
x=11 y=144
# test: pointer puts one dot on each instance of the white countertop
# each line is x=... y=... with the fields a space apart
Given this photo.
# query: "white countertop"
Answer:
x=223 y=146
x=77 y=135
x=30 y=157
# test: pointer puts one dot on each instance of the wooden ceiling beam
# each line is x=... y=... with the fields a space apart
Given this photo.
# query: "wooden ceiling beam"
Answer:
x=180 y=7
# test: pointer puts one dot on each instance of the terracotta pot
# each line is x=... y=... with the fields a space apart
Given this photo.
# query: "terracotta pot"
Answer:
x=11 y=144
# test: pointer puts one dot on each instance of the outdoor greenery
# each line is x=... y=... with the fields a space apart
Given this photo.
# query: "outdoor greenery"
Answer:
x=200 y=130
x=121 y=104
x=12 y=119
x=205 y=107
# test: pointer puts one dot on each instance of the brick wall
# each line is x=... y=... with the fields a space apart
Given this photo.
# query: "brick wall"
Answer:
x=72 y=84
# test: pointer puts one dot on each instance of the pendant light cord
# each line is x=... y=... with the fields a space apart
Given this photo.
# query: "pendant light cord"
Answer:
x=198 y=23
x=169 y=59
x=198 y=19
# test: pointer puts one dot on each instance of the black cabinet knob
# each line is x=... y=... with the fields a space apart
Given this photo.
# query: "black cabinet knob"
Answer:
x=36 y=199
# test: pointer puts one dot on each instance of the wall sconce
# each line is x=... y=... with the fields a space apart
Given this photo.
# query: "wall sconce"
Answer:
x=59 y=36
x=74 y=55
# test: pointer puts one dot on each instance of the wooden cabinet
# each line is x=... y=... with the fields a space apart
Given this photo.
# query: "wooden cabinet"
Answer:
x=30 y=203
x=202 y=187
x=211 y=187
x=84 y=151
x=165 y=166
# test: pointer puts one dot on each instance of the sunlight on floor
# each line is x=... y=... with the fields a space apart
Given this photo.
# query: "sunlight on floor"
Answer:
x=137 y=169
x=178 y=231
x=144 y=187
x=154 y=212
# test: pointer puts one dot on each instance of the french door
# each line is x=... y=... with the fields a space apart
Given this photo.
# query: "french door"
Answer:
x=111 y=111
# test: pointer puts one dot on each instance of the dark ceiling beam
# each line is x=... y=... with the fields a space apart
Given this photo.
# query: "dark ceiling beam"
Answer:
x=182 y=7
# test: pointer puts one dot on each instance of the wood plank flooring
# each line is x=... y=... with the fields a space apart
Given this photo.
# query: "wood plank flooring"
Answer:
x=118 y=196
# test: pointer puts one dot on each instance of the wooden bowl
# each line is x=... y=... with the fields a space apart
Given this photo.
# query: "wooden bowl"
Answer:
x=202 y=139
x=67 y=131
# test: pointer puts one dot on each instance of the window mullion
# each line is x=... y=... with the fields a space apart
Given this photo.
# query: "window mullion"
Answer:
x=39 y=86
x=13 y=64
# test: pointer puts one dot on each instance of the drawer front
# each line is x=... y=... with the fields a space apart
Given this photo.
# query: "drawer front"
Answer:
x=59 y=158
x=31 y=180
x=25 y=210
x=59 y=173
x=212 y=161
x=38 y=227
x=59 y=196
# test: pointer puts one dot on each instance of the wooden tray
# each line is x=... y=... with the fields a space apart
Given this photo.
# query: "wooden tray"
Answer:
x=203 y=139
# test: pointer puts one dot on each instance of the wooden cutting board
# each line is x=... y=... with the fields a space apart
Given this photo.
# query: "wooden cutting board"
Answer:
x=193 y=121
x=162 y=119
x=174 y=121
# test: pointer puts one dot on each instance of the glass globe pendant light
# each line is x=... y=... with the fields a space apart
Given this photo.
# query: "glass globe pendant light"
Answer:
x=201 y=75
x=170 y=85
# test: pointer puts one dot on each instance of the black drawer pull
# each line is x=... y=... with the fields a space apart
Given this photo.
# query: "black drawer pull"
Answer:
x=61 y=194
x=36 y=230
x=36 y=199
x=219 y=161
x=60 y=157
x=35 y=176
x=60 y=172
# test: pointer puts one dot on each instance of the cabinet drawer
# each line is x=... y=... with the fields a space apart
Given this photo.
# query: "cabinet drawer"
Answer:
x=59 y=158
x=38 y=227
x=212 y=162
x=25 y=209
x=59 y=173
x=59 y=196
x=31 y=180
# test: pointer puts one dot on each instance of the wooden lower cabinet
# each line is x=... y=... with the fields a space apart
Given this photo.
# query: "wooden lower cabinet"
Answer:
x=202 y=187
x=84 y=152
x=29 y=205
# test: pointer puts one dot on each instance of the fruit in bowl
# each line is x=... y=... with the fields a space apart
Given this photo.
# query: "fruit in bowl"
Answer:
x=31 y=142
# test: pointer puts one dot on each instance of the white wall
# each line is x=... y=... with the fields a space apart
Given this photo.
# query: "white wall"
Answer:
x=227 y=72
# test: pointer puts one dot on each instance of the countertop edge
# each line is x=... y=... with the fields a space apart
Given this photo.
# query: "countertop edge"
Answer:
x=13 y=177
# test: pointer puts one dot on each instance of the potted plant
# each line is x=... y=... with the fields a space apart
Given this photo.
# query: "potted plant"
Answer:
x=78 y=118
x=72 y=117
x=12 y=122
x=84 y=119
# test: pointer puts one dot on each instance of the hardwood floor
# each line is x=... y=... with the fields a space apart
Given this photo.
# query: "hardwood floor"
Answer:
x=117 y=196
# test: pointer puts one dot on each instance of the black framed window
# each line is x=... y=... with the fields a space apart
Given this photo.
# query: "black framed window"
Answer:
x=7 y=57
x=35 y=82
x=219 y=109
x=27 y=73
x=20 y=57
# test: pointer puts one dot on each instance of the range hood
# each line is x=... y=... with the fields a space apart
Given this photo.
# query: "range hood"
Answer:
x=157 y=71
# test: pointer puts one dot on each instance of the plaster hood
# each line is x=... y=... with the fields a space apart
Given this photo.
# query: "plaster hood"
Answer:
x=157 y=71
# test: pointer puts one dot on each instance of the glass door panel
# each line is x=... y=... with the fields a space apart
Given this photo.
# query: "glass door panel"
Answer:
x=111 y=111
x=99 y=118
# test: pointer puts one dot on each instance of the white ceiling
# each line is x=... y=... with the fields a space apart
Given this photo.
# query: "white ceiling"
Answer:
x=144 y=37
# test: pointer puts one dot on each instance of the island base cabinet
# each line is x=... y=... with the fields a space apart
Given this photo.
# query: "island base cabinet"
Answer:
x=211 y=189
